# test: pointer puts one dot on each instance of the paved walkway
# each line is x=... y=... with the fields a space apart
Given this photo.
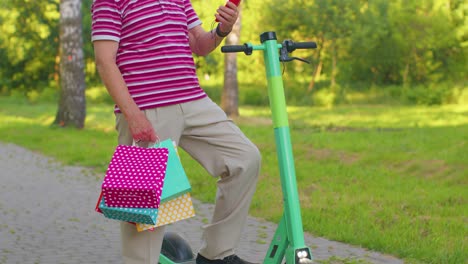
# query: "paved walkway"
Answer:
x=47 y=217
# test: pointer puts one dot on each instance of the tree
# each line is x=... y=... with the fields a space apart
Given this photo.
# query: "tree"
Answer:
x=230 y=97
x=28 y=45
x=72 y=104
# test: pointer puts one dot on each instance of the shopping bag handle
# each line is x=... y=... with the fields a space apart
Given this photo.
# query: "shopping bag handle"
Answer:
x=140 y=143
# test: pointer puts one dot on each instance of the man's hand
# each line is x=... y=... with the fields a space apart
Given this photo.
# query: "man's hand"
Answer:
x=227 y=16
x=141 y=128
x=202 y=42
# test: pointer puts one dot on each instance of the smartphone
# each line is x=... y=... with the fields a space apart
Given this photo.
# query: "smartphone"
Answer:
x=236 y=2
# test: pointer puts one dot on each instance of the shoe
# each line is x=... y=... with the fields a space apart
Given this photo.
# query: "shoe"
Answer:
x=233 y=259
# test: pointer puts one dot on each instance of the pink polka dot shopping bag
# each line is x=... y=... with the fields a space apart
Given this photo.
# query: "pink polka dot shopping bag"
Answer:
x=135 y=177
x=175 y=203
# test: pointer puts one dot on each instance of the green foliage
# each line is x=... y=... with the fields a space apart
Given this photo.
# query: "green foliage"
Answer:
x=379 y=42
x=427 y=95
x=92 y=77
x=254 y=97
x=98 y=95
x=376 y=43
x=28 y=44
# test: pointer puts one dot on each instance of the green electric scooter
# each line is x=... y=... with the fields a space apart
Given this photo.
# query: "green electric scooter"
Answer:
x=288 y=241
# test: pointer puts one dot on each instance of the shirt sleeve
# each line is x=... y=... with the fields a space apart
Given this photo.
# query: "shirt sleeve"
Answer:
x=192 y=17
x=106 y=20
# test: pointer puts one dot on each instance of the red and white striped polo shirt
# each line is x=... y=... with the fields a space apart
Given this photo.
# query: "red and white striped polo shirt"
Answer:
x=154 y=55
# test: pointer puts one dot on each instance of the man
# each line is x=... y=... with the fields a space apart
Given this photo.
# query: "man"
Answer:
x=143 y=51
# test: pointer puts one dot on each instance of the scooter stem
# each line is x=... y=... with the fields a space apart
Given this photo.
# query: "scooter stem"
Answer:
x=292 y=210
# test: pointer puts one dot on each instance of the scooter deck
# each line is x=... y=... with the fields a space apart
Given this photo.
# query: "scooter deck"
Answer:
x=192 y=261
x=187 y=262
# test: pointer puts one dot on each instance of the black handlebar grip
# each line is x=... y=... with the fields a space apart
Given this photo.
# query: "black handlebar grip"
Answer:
x=234 y=48
x=305 y=45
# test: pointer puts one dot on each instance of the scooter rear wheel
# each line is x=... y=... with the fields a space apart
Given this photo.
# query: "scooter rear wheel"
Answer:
x=176 y=248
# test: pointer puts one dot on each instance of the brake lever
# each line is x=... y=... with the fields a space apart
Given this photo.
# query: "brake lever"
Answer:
x=284 y=56
x=300 y=59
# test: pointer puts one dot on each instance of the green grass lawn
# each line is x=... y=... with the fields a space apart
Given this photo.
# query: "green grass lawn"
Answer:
x=392 y=179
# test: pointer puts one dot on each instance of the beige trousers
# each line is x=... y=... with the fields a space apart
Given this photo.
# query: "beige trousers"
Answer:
x=203 y=130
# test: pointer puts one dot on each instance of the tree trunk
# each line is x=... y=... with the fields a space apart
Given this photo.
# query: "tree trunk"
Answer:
x=72 y=104
x=316 y=73
x=406 y=74
x=230 y=97
x=318 y=68
x=334 y=68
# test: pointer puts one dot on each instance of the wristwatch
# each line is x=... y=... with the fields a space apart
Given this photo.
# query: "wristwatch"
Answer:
x=220 y=33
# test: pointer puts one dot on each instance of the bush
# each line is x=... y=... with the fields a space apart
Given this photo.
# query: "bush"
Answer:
x=459 y=95
x=324 y=97
x=433 y=94
x=98 y=94
x=254 y=97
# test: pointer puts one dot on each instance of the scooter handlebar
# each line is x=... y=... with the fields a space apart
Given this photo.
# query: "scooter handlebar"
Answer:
x=289 y=45
x=292 y=46
x=305 y=45
x=234 y=48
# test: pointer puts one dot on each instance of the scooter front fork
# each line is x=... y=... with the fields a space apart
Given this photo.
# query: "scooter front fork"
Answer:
x=280 y=247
